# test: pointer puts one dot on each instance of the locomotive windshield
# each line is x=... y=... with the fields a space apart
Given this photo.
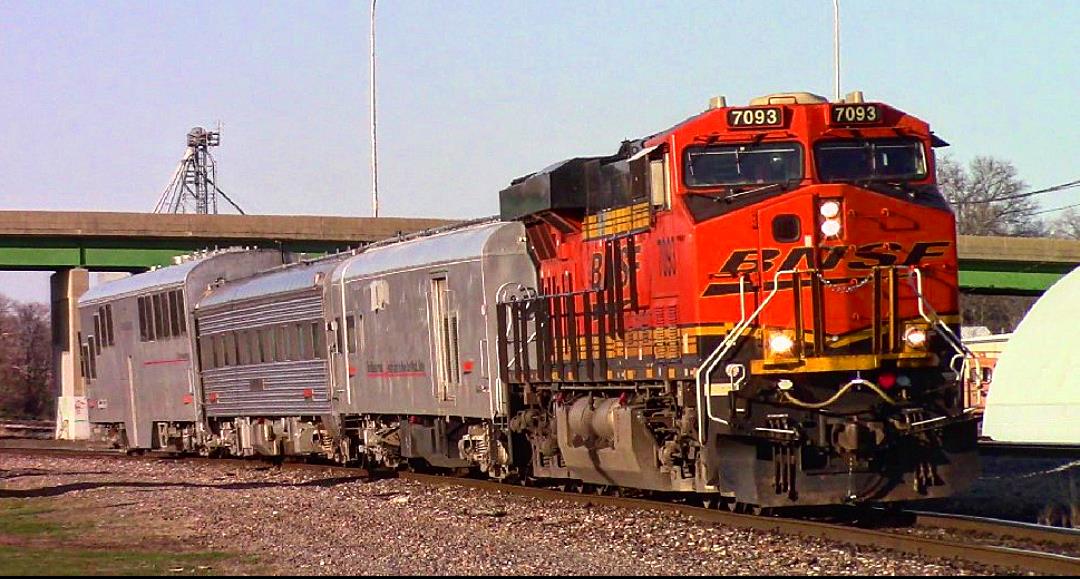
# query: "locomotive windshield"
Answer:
x=870 y=160
x=745 y=164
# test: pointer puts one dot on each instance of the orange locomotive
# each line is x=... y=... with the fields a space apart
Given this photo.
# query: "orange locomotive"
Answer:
x=757 y=304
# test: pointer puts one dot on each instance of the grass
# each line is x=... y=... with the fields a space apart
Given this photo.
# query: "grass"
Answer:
x=37 y=561
x=36 y=539
x=22 y=519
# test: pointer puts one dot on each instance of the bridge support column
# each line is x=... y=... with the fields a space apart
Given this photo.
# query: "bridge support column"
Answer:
x=72 y=415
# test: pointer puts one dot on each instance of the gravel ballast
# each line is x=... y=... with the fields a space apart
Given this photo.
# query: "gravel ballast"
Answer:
x=315 y=522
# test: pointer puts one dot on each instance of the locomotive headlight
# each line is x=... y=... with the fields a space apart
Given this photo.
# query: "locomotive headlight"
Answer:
x=915 y=338
x=829 y=209
x=830 y=227
x=780 y=345
x=832 y=221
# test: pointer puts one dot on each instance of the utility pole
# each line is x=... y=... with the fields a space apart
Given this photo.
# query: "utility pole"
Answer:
x=836 y=45
x=374 y=141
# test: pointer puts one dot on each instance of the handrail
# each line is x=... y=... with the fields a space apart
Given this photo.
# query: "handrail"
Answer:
x=956 y=343
x=703 y=375
x=710 y=364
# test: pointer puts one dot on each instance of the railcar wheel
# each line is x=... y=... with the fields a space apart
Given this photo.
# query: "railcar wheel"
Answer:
x=749 y=509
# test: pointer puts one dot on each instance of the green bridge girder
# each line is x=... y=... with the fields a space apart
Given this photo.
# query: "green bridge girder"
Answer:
x=30 y=254
x=107 y=241
x=43 y=240
x=1014 y=265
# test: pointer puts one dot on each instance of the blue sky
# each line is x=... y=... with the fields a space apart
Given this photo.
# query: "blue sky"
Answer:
x=99 y=95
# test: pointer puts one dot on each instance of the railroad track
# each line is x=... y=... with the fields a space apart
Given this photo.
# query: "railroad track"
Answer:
x=972 y=539
x=27 y=428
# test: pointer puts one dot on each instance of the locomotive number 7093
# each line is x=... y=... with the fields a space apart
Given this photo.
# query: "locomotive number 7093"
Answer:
x=855 y=114
x=755 y=117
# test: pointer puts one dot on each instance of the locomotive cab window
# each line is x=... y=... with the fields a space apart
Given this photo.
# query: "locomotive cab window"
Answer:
x=870 y=160
x=744 y=164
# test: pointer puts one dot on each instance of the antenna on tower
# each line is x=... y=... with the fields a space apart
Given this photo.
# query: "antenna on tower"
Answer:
x=193 y=188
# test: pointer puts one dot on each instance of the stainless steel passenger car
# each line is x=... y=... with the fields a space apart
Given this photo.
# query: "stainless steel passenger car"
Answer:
x=386 y=355
x=420 y=370
x=137 y=346
x=264 y=361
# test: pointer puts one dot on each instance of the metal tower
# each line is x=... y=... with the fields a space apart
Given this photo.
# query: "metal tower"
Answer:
x=193 y=188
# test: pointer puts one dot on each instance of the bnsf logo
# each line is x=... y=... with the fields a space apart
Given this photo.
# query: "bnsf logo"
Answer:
x=863 y=257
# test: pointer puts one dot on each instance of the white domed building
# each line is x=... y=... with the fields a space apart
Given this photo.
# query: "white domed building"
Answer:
x=1035 y=394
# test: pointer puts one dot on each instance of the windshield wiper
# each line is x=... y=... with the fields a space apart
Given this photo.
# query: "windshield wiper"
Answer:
x=731 y=193
x=781 y=185
x=887 y=187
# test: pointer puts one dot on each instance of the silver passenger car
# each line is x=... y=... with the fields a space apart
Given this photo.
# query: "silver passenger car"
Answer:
x=416 y=349
x=386 y=355
x=264 y=361
x=137 y=348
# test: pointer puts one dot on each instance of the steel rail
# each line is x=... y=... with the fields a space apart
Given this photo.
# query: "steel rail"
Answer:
x=998 y=527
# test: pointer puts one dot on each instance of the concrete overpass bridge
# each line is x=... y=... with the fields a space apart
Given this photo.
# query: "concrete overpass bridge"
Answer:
x=57 y=241
x=1014 y=265
x=74 y=243
x=52 y=240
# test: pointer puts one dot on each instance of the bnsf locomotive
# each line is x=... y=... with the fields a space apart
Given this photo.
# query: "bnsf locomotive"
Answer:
x=756 y=306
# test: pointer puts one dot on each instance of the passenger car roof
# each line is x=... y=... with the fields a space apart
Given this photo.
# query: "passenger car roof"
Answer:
x=462 y=244
x=282 y=280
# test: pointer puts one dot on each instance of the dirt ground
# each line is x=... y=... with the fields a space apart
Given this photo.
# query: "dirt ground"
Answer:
x=162 y=517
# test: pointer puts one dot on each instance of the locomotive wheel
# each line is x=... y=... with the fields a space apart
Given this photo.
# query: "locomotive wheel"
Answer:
x=717 y=503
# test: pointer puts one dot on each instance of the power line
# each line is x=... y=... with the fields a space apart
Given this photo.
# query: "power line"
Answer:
x=1060 y=187
x=1074 y=205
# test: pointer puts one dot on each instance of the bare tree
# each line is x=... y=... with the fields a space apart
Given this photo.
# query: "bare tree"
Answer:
x=988 y=198
x=25 y=360
x=1067 y=225
x=1000 y=314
